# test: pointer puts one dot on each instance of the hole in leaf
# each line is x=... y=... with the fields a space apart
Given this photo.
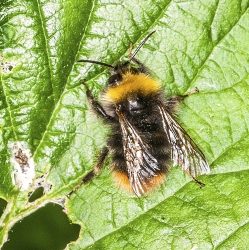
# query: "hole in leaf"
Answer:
x=47 y=228
x=3 y=204
x=38 y=193
x=40 y=187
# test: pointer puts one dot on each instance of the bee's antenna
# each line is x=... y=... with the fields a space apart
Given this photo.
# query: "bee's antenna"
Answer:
x=96 y=62
x=130 y=59
x=140 y=45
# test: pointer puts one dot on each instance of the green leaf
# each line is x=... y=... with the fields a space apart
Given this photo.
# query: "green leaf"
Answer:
x=43 y=106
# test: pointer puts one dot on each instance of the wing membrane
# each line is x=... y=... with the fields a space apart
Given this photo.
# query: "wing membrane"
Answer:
x=141 y=165
x=184 y=151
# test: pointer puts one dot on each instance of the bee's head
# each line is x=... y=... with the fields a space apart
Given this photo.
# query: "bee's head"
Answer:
x=120 y=69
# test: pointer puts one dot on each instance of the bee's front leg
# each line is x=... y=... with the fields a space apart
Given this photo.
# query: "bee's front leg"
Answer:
x=98 y=109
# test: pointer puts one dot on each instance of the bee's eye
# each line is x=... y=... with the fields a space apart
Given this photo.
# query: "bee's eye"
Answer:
x=115 y=79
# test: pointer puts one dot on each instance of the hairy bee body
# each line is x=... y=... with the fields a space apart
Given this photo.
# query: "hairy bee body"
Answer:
x=145 y=138
x=139 y=107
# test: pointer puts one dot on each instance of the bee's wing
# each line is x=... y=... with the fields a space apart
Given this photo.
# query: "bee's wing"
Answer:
x=184 y=151
x=141 y=165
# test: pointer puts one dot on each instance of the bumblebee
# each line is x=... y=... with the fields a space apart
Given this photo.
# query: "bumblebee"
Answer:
x=145 y=138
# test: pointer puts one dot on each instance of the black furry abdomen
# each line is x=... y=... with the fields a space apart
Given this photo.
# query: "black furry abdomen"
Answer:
x=148 y=124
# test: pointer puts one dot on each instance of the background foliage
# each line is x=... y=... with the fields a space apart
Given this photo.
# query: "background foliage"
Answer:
x=200 y=44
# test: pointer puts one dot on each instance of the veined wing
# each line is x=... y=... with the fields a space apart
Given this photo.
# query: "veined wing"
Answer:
x=185 y=152
x=141 y=165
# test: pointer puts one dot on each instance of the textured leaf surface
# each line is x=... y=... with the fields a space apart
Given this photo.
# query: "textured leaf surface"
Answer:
x=200 y=44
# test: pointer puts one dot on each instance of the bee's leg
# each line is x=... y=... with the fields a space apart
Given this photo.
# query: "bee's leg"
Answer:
x=195 y=180
x=173 y=101
x=96 y=171
x=194 y=91
x=180 y=98
x=99 y=110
